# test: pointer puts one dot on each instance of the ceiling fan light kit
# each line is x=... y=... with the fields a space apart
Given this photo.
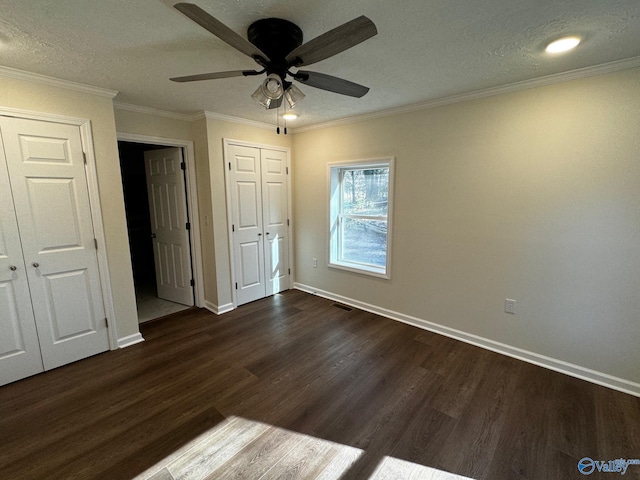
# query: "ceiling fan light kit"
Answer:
x=269 y=90
x=277 y=46
x=293 y=95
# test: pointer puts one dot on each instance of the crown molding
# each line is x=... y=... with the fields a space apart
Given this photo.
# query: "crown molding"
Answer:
x=56 y=82
x=577 y=74
x=241 y=121
x=154 y=111
x=189 y=117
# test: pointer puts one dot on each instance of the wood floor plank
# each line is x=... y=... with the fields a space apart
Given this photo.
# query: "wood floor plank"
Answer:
x=258 y=457
x=572 y=424
x=219 y=447
x=473 y=443
x=339 y=393
x=163 y=474
x=466 y=367
x=618 y=431
x=340 y=463
x=523 y=440
x=307 y=460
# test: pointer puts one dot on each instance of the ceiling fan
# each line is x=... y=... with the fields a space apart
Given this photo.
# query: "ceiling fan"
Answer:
x=276 y=45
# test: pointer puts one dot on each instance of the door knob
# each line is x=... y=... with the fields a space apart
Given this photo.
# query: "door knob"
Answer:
x=35 y=264
x=259 y=234
x=153 y=235
x=267 y=233
x=13 y=268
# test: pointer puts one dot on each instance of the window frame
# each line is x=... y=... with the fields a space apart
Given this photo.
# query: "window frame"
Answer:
x=335 y=172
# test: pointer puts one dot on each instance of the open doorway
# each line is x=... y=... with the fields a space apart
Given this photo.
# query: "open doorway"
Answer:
x=152 y=301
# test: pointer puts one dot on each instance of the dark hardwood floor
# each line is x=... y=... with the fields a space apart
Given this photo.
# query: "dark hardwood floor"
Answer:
x=296 y=369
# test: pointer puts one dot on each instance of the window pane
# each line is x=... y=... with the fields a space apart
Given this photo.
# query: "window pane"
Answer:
x=365 y=191
x=364 y=241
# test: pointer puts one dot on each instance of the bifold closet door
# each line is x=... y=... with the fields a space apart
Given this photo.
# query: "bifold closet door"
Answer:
x=246 y=206
x=46 y=169
x=259 y=207
x=19 y=348
x=273 y=164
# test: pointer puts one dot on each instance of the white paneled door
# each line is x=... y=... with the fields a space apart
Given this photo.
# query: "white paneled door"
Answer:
x=273 y=165
x=48 y=185
x=19 y=349
x=257 y=181
x=169 y=224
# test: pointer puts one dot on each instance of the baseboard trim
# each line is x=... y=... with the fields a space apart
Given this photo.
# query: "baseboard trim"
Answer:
x=218 y=310
x=129 y=340
x=570 y=369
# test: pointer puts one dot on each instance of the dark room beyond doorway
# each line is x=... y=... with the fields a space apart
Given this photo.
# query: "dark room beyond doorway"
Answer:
x=134 y=182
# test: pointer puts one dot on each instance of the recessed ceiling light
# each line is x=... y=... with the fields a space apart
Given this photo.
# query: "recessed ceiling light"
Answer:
x=563 y=44
x=290 y=116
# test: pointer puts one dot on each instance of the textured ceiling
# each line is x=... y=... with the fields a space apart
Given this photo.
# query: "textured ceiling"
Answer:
x=424 y=50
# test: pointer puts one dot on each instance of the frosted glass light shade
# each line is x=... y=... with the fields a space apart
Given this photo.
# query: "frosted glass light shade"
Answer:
x=293 y=95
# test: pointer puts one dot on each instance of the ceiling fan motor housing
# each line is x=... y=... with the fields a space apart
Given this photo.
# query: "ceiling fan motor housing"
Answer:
x=276 y=38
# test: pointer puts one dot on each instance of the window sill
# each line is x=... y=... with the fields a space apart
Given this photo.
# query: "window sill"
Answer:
x=363 y=269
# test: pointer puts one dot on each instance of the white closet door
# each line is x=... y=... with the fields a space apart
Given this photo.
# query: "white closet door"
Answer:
x=168 y=209
x=47 y=172
x=19 y=349
x=274 y=214
x=246 y=217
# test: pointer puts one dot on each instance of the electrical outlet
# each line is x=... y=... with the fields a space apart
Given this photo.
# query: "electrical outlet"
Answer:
x=509 y=306
x=315 y=263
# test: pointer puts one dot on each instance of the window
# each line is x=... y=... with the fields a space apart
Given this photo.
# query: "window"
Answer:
x=360 y=216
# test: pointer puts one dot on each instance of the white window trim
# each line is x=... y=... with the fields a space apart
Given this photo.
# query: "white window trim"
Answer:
x=333 y=172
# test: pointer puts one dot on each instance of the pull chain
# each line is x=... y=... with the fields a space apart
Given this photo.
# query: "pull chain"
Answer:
x=284 y=116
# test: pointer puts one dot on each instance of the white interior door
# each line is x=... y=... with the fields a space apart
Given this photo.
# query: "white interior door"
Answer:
x=47 y=173
x=168 y=208
x=246 y=219
x=19 y=348
x=258 y=198
x=274 y=214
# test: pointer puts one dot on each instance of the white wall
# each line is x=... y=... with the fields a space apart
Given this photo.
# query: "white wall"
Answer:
x=533 y=195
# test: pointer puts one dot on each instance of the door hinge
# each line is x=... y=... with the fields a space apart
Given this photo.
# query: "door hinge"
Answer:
x=188 y=225
x=192 y=282
x=183 y=166
x=289 y=271
x=287 y=169
x=287 y=222
x=106 y=322
x=233 y=228
x=95 y=242
x=236 y=285
x=229 y=165
x=84 y=156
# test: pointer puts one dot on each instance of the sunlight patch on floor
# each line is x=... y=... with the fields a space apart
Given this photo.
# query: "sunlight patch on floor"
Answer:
x=241 y=448
x=394 y=468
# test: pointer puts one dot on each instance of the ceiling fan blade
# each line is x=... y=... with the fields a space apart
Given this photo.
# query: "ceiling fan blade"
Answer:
x=215 y=75
x=333 y=42
x=220 y=30
x=330 y=83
